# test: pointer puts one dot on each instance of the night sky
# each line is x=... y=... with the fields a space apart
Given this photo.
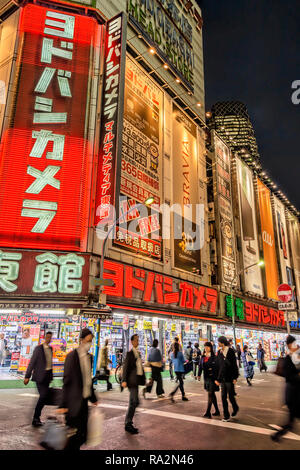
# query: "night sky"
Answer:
x=251 y=55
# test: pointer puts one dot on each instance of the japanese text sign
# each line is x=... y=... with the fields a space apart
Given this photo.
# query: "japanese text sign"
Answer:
x=254 y=313
x=45 y=167
x=153 y=289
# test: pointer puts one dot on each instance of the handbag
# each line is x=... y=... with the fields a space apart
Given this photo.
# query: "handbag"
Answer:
x=280 y=367
x=95 y=427
x=188 y=367
x=54 y=396
x=55 y=435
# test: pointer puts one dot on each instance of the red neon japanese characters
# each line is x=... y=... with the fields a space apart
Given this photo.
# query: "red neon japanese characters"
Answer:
x=261 y=314
x=45 y=169
x=148 y=287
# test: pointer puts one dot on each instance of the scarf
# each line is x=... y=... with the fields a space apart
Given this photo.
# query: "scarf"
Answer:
x=139 y=365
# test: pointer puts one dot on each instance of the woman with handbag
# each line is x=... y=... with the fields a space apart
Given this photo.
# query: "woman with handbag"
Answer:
x=178 y=361
x=156 y=364
x=248 y=364
x=208 y=364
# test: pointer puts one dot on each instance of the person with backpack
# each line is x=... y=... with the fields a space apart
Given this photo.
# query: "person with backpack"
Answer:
x=178 y=362
x=188 y=353
x=208 y=365
x=156 y=364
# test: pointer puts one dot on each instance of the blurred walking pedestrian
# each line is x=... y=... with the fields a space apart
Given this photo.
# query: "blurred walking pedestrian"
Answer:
x=78 y=390
x=156 y=364
x=238 y=354
x=248 y=364
x=103 y=364
x=208 y=364
x=196 y=356
x=291 y=370
x=260 y=354
x=188 y=352
x=2 y=349
x=40 y=367
x=227 y=376
x=133 y=376
x=178 y=361
x=169 y=352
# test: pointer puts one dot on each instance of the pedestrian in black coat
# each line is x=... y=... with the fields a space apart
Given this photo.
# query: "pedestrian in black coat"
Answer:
x=133 y=376
x=227 y=376
x=291 y=371
x=78 y=390
x=40 y=367
x=208 y=364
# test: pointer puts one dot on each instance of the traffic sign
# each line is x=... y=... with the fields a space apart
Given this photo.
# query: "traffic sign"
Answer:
x=285 y=293
x=287 y=306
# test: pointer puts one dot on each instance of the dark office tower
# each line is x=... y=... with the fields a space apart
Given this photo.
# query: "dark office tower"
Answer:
x=232 y=122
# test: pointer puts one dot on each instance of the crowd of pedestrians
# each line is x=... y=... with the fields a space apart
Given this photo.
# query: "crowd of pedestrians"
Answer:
x=220 y=371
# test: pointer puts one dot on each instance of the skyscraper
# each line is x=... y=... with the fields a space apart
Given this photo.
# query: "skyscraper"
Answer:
x=232 y=122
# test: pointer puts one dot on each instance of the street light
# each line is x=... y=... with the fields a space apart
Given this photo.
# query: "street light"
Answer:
x=147 y=202
x=259 y=263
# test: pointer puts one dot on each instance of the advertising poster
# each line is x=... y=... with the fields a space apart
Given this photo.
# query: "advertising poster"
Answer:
x=253 y=279
x=30 y=339
x=267 y=233
x=222 y=180
x=59 y=347
x=185 y=191
x=141 y=165
x=294 y=237
x=282 y=241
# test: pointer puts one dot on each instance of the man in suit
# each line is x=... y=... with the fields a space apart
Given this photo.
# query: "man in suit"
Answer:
x=78 y=390
x=133 y=376
x=40 y=366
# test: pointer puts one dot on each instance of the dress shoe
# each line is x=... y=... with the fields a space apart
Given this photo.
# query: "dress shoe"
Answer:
x=235 y=412
x=185 y=399
x=216 y=413
x=131 y=429
x=37 y=423
x=207 y=415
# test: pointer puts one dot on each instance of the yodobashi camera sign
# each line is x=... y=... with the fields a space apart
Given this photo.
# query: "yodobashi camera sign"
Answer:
x=169 y=25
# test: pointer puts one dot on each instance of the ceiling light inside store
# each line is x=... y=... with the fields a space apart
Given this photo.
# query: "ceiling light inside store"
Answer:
x=151 y=50
x=177 y=80
x=166 y=66
x=48 y=312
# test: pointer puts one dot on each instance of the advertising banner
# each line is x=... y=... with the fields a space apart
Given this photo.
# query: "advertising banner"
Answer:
x=45 y=170
x=185 y=190
x=37 y=274
x=222 y=181
x=141 y=167
x=282 y=242
x=267 y=232
x=253 y=279
x=30 y=339
x=110 y=141
x=294 y=237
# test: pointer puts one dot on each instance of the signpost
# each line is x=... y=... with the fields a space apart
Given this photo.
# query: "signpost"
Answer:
x=285 y=294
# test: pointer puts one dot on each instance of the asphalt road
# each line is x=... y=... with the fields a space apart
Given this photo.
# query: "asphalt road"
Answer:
x=163 y=425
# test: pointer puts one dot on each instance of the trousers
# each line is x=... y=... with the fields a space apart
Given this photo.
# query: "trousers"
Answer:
x=179 y=376
x=133 y=404
x=227 y=389
x=43 y=389
x=80 y=423
x=156 y=376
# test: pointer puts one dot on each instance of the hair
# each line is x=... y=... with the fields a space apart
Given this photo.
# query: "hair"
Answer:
x=49 y=333
x=176 y=339
x=245 y=347
x=176 y=349
x=106 y=341
x=155 y=343
x=189 y=343
x=196 y=345
x=208 y=344
x=223 y=340
x=290 y=339
x=133 y=336
x=86 y=332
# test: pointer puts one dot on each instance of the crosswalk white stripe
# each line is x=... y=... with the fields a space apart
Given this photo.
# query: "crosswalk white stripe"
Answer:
x=196 y=419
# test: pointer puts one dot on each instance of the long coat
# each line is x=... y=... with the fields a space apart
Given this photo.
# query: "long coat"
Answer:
x=292 y=392
x=73 y=385
x=37 y=365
